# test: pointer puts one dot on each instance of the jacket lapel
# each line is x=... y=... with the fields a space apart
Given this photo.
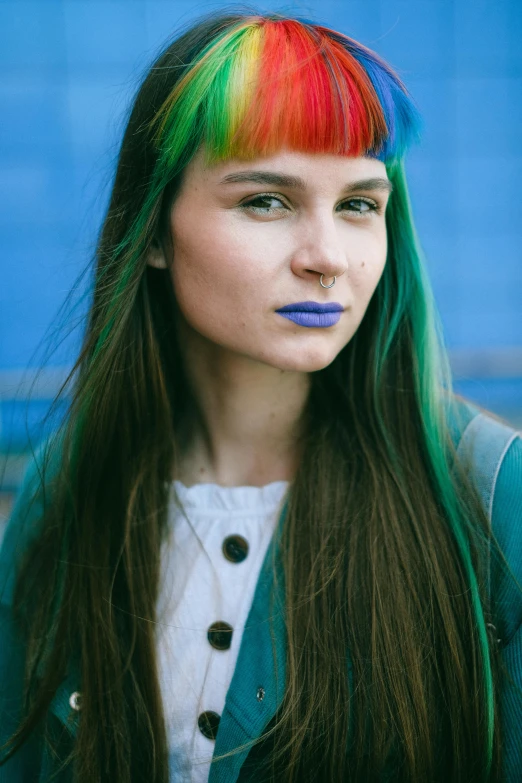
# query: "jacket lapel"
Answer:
x=261 y=664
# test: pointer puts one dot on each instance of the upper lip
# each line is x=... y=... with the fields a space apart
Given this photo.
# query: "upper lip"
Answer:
x=311 y=307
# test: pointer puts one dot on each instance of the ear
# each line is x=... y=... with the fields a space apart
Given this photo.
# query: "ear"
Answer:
x=156 y=255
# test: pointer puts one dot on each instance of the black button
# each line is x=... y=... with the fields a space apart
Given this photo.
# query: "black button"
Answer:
x=220 y=635
x=208 y=723
x=235 y=548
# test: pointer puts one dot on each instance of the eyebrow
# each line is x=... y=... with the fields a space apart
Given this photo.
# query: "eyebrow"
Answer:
x=296 y=183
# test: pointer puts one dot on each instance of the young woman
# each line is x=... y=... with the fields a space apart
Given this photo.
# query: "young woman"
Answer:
x=268 y=541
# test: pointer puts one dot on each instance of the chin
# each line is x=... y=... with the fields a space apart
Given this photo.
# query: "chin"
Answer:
x=303 y=361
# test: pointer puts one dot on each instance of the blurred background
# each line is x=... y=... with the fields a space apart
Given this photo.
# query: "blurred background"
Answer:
x=68 y=70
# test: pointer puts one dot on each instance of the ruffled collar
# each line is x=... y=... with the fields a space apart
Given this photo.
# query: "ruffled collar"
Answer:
x=213 y=497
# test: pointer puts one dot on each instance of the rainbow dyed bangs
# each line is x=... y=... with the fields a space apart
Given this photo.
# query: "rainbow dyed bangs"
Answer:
x=267 y=83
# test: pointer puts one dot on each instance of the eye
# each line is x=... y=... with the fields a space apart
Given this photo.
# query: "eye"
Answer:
x=364 y=206
x=262 y=210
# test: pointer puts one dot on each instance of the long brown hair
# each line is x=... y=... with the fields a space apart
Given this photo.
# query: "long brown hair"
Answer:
x=383 y=547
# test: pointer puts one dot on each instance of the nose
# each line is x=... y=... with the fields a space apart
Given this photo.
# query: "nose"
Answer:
x=319 y=251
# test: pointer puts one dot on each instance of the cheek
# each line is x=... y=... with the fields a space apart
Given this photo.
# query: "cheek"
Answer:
x=208 y=275
x=367 y=270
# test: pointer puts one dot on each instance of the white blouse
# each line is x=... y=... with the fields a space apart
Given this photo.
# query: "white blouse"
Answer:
x=209 y=576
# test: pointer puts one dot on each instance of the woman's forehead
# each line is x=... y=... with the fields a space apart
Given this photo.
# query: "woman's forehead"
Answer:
x=294 y=165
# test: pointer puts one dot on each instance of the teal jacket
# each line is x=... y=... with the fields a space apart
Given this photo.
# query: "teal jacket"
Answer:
x=497 y=459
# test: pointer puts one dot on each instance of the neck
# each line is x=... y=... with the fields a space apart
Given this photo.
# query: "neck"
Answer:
x=248 y=423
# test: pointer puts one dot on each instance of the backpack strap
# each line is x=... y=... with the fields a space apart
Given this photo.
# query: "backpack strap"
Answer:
x=483 y=444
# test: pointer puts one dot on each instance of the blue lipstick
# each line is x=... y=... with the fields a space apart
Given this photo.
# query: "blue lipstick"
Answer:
x=312 y=314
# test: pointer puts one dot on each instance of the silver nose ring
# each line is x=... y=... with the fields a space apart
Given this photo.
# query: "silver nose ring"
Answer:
x=326 y=286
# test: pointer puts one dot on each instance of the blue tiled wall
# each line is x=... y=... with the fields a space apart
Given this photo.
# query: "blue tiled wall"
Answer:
x=68 y=69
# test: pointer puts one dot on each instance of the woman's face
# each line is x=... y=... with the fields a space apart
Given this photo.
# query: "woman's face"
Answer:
x=251 y=237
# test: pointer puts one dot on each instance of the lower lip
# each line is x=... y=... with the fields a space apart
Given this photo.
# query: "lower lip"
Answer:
x=312 y=320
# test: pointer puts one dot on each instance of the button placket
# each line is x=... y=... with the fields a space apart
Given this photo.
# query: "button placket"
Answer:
x=219 y=634
x=206 y=595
